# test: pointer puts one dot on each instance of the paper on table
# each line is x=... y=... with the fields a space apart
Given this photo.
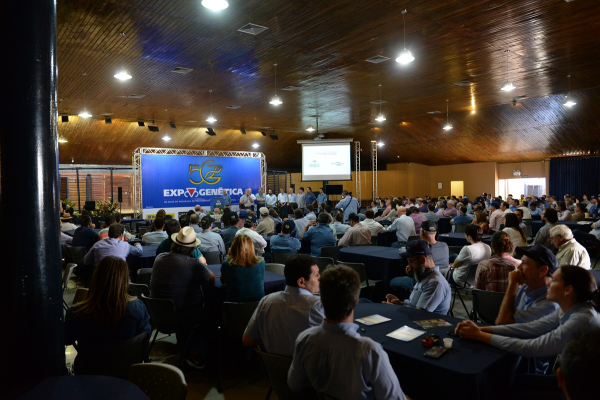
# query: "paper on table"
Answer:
x=406 y=334
x=373 y=320
x=584 y=222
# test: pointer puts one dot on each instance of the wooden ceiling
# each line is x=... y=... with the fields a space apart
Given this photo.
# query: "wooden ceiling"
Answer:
x=321 y=48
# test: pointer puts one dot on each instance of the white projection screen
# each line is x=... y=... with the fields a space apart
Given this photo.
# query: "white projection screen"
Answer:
x=326 y=161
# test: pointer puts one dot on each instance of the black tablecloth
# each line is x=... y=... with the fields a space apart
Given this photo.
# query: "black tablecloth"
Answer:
x=381 y=263
x=444 y=225
x=89 y=387
x=573 y=225
x=459 y=239
x=146 y=260
x=71 y=232
x=386 y=239
x=470 y=370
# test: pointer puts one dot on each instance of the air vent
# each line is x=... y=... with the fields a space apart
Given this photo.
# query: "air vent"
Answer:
x=377 y=59
x=264 y=127
x=136 y=96
x=379 y=102
x=233 y=107
x=463 y=83
x=291 y=88
x=252 y=29
x=153 y=128
x=434 y=112
x=107 y=114
x=190 y=121
x=182 y=70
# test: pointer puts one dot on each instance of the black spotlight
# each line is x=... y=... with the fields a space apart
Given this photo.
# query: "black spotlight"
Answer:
x=153 y=128
x=243 y=131
x=210 y=132
x=274 y=137
x=65 y=118
x=107 y=120
x=172 y=124
x=141 y=123
x=264 y=133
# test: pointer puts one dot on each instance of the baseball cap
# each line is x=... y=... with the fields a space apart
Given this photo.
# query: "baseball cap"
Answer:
x=429 y=226
x=541 y=255
x=264 y=211
x=243 y=214
x=233 y=217
x=288 y=226
x=251 y=218
x=206 y=220
x=416 y=248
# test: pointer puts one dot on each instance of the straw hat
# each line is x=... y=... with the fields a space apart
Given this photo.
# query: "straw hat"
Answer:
x=66 y=216
x=186 y=237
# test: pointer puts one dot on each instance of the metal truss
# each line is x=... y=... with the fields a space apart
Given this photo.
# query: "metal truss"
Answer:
x=357 y=193
x=137 y=167
x=374 y=152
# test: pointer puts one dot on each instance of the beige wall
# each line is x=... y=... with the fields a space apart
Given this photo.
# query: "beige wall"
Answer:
x=536 y=169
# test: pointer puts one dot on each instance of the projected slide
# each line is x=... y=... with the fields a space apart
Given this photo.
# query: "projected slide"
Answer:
x=325 y=161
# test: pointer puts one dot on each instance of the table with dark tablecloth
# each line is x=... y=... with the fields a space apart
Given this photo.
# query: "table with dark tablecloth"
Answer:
x=459 y=239
x=71 y=232
x=444 y=225
x=470 y=370
x=573 y=225
x=135 y=222
x=146 y=260
x=89 y=387
x=386 y=238
x=381 y=263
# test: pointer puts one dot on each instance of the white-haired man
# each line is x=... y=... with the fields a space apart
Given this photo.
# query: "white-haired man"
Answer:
x=570 y=252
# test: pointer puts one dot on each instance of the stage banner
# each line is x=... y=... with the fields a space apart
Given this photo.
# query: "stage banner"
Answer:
x=170 y=181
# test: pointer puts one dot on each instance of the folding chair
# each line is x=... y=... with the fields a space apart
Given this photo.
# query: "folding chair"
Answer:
x=280 y=257
x=80 y=295
x=276 y=368
x=159 y=381
x=139 y=289
x=323 y=263
x=213 y=257
x=460 y=228
x=331 y=252
x=144 y=276
x=275 y=268
x=365 y=284
x=66 y=276
x=486 y=306
x=457 y=288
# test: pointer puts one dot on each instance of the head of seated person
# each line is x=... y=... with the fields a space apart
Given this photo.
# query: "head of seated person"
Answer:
x=502 y=244
x=109 y=220
x=85 y=221
x=550 y=215
x=309 y=208
x=194 y=219
x=301 y=271
x=473 y=232
x=324 y=218
x=206 y=222
x=339 y=217
x=242 y=252
x=172 y=226
x=159 y=224
x=118 y=217
x=340 y=289
x=115 y=231
x=369 y=214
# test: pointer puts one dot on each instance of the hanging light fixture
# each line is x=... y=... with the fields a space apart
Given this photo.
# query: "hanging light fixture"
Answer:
x=448 y=126
x=215 y=5
x=568 y=102
x=310 y=128
x=255 y=145
x=507 y=86
x=380 y=117
x=405 y=56
x=210 y=118
x=122 y=75
x=62 y=139
x=84 y=113
x=275 y=100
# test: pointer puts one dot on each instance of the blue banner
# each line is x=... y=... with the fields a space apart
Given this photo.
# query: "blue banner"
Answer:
x=170 y=181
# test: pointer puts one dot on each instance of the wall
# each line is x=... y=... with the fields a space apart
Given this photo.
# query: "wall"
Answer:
x=477 y=178
x=536 y=169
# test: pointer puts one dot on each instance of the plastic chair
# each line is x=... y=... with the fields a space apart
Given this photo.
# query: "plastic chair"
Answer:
x=280 y=257
x=80 y=295
x=486 y=305
x=159 y=381
x=339 y=235
x=144 y=276
x=276 y=368
x=163 y=315
x=112 y=359
x=460 y=228
x=455 y=249
x=213 y=257
x=65 y=281
x=373 y=240
x=233 y=324
x=324 y=262
x=331 y=252
x=139 y=289
x=275 y=268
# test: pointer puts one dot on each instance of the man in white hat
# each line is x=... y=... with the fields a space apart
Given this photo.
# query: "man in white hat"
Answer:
x=67 y=223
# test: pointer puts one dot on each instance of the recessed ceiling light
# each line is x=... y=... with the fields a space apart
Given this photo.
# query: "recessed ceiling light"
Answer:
x=166 y=138
x=62 y=139
x=215 y=5
x=190 y=121
x=84 y=114
x=107 y=114
x=255 y=145
x=434 y=112
x=122 y=75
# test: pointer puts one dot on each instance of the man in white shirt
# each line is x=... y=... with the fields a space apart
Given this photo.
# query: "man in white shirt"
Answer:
x=282 y=202
x=404 y=227
x=300 y=198
x=248 y=199
x=259 y=242
x=156 y=237
x=497 y=217
x=357 y=235
x=473 y=254
x=67 y=223
x=505 y=207
x=374 y=226
x=570 y=252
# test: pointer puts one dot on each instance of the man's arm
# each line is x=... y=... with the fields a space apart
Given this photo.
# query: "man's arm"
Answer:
x=136 y=249
x=345 y=239
x=88 y=259
x=506 y=315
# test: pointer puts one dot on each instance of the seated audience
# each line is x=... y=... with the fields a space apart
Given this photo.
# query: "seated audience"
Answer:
x=334 y=358
x=160 y=213
x=404 y=227
x=217 y=216
x=339 y=225
x=473 y=254
x=512 y=228
x=577 y=373
x=593 y=207
x=461 y=218
x=481 y=220
x=319 y=235
x=497 y=217
x=155 y=238
x=194 y=221
x=431 y=215
x=172 y=227
x=108 y=221
x=243 y=272
x=570 y=252
x=519 y=213
x=524 y=208
x=414 y=213
x=534 y=210
x=395 y=212
x=580 y=211
x=275 y=217
x=113 y=245
x=374 y=227
x=248 y=230
x=549 y=217
x=492 y=274
x=85 y=236
x=128 y=236
x=280 y=317
x=209 y=240
x=283 y=242
x=229 y=233
x=108 y=314
x=199 y=211
x=596 y=229
x=266 y=226
x=575 y=291
x=563 y=212
x=67 y=223
x=357 y=235
x=450 y=210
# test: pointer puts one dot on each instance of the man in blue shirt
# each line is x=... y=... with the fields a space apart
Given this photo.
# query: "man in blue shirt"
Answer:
x=283 y=241
x=321 y=198
x=85 y=236
x=309 y=197
x=226 y=199
x=229 y=233
x=319 y=235
x=593 y=208
x=461 y=218
x=432 y=291
x=349 y=204
x=534 y=210
x=113 y=245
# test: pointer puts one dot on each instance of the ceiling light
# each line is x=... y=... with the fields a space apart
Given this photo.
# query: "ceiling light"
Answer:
x=255 y=145
x=507 y=86
x=84 y=113
x=448 y=126
x=380 y=144
x=123 y=75
x=275 y=100
x=210 y=118
x=62 y=139
x=310 y=128
x=380 y=117
x=568 y=102
x=166 y=138
x=405 y=56
x=215 y=5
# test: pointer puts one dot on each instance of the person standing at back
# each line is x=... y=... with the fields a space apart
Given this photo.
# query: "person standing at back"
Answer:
x=348 y=204
x=321 y=199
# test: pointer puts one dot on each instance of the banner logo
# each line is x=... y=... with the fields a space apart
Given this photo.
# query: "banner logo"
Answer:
x=192 y=192
x=208 y=176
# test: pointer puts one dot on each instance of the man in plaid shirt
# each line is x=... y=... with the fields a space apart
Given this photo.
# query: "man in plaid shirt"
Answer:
x=492 y=274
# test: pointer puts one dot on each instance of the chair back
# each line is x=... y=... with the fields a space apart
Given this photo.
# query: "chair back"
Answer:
x=80 y=295
x=413 y=237
x=471 y=277
x=385 y=222
x=280 y=257
x=236 y=317
x=75 y=254
x=275 y=268
x=213 y=257
x=460 y=228
x=139 y=289
x=324 y=262
x=339 y=235
x=144 y=276
x=159 y=381
x=113 y=359
x=373 y=240
x=142 y=230
x=276 y=368
x=527 y=222
x=501 y=227
x=67 y=275
x=362 y=210
x=455 y=249
x=529 y=232
x=162 y=313
x=486 y=305
x=331 y=252
x=360 y=269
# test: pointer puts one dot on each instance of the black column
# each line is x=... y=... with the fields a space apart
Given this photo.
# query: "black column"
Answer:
x=30 y=278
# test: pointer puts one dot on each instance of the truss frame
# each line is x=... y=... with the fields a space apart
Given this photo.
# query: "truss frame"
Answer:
x=357 y=183
x=374 y=162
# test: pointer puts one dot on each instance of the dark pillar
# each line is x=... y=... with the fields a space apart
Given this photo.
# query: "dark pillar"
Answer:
x=30 y=287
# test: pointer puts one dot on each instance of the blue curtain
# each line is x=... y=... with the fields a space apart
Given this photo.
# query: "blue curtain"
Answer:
x=576 y=176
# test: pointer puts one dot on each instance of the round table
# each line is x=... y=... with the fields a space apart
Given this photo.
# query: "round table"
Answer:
x=382 y=263
x=89 y=387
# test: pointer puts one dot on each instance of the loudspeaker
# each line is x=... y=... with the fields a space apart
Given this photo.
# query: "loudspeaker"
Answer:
x=120 y=194
x=90 y=206
x=65 y=118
